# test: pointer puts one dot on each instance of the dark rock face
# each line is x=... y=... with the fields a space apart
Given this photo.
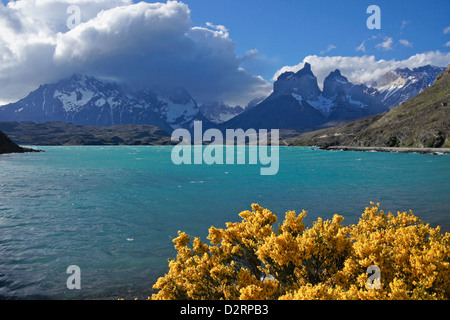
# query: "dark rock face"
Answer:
x=303 y=83
x=8 y=146
x=278 y=112
x=335 y=84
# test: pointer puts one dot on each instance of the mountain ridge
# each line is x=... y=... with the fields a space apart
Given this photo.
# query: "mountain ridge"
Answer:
x=85 y=100
x=422 y=121
x=297 y=103
x=402 y=84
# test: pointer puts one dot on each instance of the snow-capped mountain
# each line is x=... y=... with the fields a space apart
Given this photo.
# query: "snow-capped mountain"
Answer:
x=298 y=103
x=176 y=107
x=400 y=85
x=219 y=112
x=295 y=103
x=343 y=100
x=86 y=100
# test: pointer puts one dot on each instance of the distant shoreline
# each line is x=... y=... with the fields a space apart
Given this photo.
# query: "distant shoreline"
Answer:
x=25 y=150
x=391 y=149
x=435 y=151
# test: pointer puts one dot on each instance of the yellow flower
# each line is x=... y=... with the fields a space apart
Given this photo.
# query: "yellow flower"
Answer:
x=250 y=260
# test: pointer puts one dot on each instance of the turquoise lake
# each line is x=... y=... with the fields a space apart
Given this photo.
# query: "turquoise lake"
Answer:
x=113 y=211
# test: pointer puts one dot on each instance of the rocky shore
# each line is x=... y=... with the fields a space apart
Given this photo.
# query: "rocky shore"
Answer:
x=8 y=146
x=393 y=149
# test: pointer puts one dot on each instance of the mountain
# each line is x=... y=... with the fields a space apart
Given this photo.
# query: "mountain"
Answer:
x=217 y=112
x=345 y=101
x=400 y=85
x=86 y=100
x=176 y=107
x=8 y=146
x=60 y=133
x=422 y=121
x=298 y=103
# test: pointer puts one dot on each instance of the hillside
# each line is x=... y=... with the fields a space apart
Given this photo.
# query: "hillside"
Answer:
x=59 y=133
x=421 y=122
x=8 y=146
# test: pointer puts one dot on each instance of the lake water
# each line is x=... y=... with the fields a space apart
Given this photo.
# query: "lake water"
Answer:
x=113 y=211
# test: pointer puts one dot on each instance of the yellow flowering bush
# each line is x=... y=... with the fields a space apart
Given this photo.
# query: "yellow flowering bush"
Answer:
x=250 y=260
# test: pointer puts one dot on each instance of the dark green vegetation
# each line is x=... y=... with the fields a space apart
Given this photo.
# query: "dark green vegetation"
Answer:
x=421 y=122
x=59 y=133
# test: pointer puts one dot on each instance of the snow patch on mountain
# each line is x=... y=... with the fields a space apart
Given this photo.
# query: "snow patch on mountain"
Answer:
x=322 y=103
x=73 y=101
x=297 y=97
x=400 y=85
x=219 y=112
x=177 y=114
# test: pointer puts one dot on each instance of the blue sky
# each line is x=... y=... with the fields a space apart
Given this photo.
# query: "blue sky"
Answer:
x=286 y=31
x=219 y=50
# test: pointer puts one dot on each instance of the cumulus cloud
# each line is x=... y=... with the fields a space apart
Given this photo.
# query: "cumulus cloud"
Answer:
x=28 y=37
x=365 y=69
x=142 y=44
x=447 y=30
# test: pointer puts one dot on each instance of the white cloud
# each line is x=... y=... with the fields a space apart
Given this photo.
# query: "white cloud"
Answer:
x=142 y=44
x=361 y=47
x=222 y=30
x=447 y=44
x=329 y=48
x=405 y=43
x=251 y=53
x=28 y=36
x=386 y=44
x=447 y=30
x=365 y=69
x=404 y=24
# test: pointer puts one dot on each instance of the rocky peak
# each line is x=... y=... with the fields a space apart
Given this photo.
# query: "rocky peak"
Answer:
x=302 y=83
x=306 y=70
x=335 y=84
x=336 y=74
x=403 y=83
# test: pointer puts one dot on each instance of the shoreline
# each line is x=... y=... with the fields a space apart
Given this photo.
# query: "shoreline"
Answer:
x=22 y=150
x=435 y=151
